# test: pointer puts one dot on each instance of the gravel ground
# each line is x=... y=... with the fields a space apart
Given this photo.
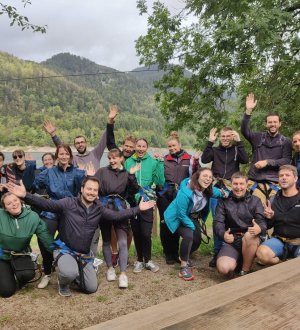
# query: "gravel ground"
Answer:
x=32 y=308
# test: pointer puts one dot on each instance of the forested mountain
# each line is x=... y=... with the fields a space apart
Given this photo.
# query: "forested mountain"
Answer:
x=77 y=104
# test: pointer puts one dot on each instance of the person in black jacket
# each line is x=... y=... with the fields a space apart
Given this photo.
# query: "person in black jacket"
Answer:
x=283 y=214
x=296 y=157
x=226 y=159
x=79 y=218
x=270 y=150
x=238 y=222
x=116 y=184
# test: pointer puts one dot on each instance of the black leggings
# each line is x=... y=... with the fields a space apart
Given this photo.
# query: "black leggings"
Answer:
x=142 y=230
x=8 y=283
x=169 y=241
x=190 y=242
x=47 y=256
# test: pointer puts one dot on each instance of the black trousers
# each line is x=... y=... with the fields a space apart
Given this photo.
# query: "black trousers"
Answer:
x=142 y=231
x=52 y=226
x=191 y=240
x=8 y=283
x=169 y=241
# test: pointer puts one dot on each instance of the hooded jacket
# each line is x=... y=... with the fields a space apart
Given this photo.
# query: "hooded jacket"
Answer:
x=226 y=161
x=277 y=150
x=151 y=171
x=78 y=224
x=16 y=232
x=178 y=211
x=237 y=214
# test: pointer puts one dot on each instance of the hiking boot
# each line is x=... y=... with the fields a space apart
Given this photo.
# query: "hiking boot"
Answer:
x=213 y=262
x=123 y=281
x=138 y=267
x=115 y=259
x=64 y=290
x=186 y=274
x=44 y=282
x=151 y=266
x=111 y=274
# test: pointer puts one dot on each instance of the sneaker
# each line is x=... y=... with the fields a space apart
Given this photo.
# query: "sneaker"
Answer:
x=189 y=264
x=138 y=267
x=44 y=282
x=111 y=274
x=213 y=262
x=115 y=259
x=243 y=272
x=123 y=281
x=64 y=290
x=151 y=266
x=186 y=274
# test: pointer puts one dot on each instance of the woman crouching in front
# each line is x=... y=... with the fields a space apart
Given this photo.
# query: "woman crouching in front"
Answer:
x=183 y=214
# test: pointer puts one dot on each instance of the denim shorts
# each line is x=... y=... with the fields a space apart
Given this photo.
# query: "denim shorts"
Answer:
x=277 y=246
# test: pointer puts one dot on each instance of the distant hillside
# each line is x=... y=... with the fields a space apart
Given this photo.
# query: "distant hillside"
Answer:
x=150 y=74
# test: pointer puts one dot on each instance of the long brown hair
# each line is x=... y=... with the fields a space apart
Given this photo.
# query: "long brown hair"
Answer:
x=194 y=184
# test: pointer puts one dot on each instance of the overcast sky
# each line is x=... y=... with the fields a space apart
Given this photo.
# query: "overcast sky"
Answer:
x=103 y=31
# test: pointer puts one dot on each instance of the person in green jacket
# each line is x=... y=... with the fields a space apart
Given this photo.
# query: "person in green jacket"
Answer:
x=151 y=172
x=17 y=226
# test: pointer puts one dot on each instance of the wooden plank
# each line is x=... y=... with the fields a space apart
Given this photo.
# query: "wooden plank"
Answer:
x=213 y=303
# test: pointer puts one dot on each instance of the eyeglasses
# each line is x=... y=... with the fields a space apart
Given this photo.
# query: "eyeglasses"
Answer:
x=18 y=156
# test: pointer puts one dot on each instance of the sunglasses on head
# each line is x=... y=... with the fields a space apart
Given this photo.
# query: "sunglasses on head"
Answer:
x=18 y=156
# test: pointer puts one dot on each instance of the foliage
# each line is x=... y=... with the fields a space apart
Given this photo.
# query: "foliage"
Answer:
x=22 y=21
x=66 y=90
x=231 y=48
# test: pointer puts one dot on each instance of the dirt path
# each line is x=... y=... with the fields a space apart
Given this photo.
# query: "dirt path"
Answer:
x=32 y=308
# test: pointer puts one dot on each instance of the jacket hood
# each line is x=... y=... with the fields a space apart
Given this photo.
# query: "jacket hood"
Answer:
x=185 y=189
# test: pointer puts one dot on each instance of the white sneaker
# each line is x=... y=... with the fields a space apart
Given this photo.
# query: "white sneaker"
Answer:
x=123 y=281
x=111 y=274
x=138 y=267
x=151 y=266
x=44 y=282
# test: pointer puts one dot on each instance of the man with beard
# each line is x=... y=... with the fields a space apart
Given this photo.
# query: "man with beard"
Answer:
x=239 y=221
x=283 y=214
x=270 y=150
x=79 y=218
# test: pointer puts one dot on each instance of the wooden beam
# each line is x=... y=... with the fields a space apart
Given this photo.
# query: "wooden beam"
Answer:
x=251 y=301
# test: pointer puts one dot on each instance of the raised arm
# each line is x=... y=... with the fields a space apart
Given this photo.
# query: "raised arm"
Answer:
x=50 y=128
x=242 y=156
x=110 y=135
x=245 y=127
x=208 y=153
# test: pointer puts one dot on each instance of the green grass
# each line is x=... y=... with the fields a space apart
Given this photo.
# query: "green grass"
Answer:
x=102 y=299
x=4 y=319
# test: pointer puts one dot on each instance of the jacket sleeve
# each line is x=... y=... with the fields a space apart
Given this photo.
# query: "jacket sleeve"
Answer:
x=159 y=174
x=208 y=153
x=46 y=204
x=219 y=220
x=110 y=137
x=242 y=154
x=132 y=185
x=253 y=137
x=259 y=216
x=41 y=181
x=286 y=155
x=111 y=215
x=217 y=193
x=100 y=147
x=43 y=235
x=183 y=211
x=56 y=140
x=29 y=174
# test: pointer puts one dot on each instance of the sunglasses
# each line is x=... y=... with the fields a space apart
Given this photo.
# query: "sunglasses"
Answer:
x=18 y=156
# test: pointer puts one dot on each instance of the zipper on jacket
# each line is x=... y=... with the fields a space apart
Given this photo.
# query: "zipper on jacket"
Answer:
x=17 y=224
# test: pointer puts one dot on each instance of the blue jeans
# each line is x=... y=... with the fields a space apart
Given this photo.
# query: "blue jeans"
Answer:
x=277 y=246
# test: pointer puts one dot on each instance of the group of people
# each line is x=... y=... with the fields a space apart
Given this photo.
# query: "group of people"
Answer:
x=71 y=198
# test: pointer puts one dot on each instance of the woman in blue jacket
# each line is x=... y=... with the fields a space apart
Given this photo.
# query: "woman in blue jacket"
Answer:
x=60 y=181
x=181 y=217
